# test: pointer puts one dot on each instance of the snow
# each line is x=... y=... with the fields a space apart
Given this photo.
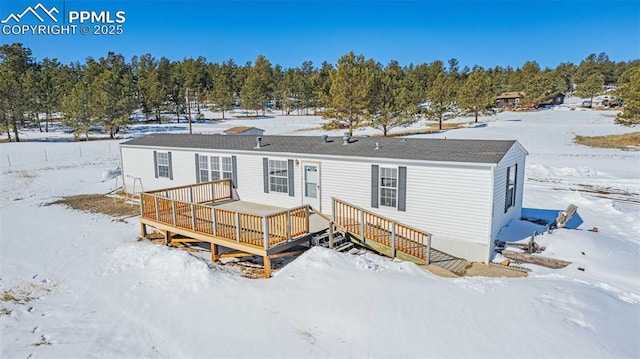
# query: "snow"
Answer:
x=88 y=288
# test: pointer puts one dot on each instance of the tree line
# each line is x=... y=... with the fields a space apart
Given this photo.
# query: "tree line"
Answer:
x=355 y=92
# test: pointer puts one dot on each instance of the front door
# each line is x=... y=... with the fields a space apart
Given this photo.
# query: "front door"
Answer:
x=311 y=181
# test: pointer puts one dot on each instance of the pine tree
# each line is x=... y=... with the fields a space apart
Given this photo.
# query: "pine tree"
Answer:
x=630 y=91
x=591 y=87
x=258 y=87
x=349 y=93
x=441 y=97
x=391 y=106
x=476 y=96
x=540 y=86
x=15 y=61
x=113 y=93
x=222 y=94
x=77 y=110
x=150 y=90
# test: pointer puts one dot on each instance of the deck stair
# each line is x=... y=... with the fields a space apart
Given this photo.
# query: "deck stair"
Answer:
x=388 y=237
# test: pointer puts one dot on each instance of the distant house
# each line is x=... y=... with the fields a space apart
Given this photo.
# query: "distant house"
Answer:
x=508 y=99
x=555 y=99
x=463 y=192
x=242 y=130
x=512 y=99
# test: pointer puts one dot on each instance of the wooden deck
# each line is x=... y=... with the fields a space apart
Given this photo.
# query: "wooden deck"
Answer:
x=206 y=212
x=391 y=238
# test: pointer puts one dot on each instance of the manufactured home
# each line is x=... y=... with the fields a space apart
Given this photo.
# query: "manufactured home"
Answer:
x=462 y=192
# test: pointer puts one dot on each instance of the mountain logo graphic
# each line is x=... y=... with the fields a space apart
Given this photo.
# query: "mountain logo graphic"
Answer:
x=36 y=11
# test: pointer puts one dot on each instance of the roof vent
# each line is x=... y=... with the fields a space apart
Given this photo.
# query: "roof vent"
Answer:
x=258 y=142
x=325 y=138
x=377 y=146
x=346 y=138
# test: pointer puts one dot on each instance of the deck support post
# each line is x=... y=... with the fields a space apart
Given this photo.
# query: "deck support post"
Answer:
x=288 y=225
x=237 y=227
x=141 y=204
x=173 y=212
x=393 y=239
x=428 y=256
x=265 y=231
x=331 y=235
x=193 y=217
x=267 y=266
x=155 y=201
x=214 y=253
x=143 y=230
x=167 y=238
x=362 y=223
x=191 y=194
x=214 y=227
x=307 y=216
x=213 y=193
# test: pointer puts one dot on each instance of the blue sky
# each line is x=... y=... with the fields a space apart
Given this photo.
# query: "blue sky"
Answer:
x=486 y=33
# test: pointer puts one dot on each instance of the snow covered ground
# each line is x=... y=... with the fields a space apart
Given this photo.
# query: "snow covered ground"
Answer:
x=75 y=284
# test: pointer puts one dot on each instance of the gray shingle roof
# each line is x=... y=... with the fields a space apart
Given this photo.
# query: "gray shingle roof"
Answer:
x=448 y=150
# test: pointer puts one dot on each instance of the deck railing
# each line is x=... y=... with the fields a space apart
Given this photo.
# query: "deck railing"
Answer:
x=215 y=191
x=168 y=207
x=397 y=236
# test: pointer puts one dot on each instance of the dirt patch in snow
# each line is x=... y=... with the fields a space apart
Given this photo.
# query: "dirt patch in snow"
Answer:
x=626 y=141
x=114 y=206
x=484 y=270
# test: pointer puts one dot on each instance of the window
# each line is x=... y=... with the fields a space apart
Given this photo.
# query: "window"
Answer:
x=203 y=164
x=215 y=168
x=209 y=168
x=278 y=176
x=510 y=198
x=388 y=187
x=227 y=168
x=162 y=159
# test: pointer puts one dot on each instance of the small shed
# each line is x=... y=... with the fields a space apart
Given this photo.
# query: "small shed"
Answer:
x=554 y=99
x=243 y=130
x=508 y=99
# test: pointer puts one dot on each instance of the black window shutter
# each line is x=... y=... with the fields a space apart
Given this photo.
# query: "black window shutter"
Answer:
x=197 y=169
x=374 y=185
x=170 y=166
x=292 y=191
x=515 y=184
x=155 y=162
x=402 y=189
x=234 y=171
x=506 y=193
x=265 y=174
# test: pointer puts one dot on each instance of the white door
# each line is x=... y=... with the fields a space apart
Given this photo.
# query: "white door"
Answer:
x=311 y=183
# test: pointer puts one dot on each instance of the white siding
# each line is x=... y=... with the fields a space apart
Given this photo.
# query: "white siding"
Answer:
x=453 y=202
x=500 y=218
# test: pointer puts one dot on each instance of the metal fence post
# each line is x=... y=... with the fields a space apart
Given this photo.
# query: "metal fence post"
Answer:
x=361 y=223
x=191 y=194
